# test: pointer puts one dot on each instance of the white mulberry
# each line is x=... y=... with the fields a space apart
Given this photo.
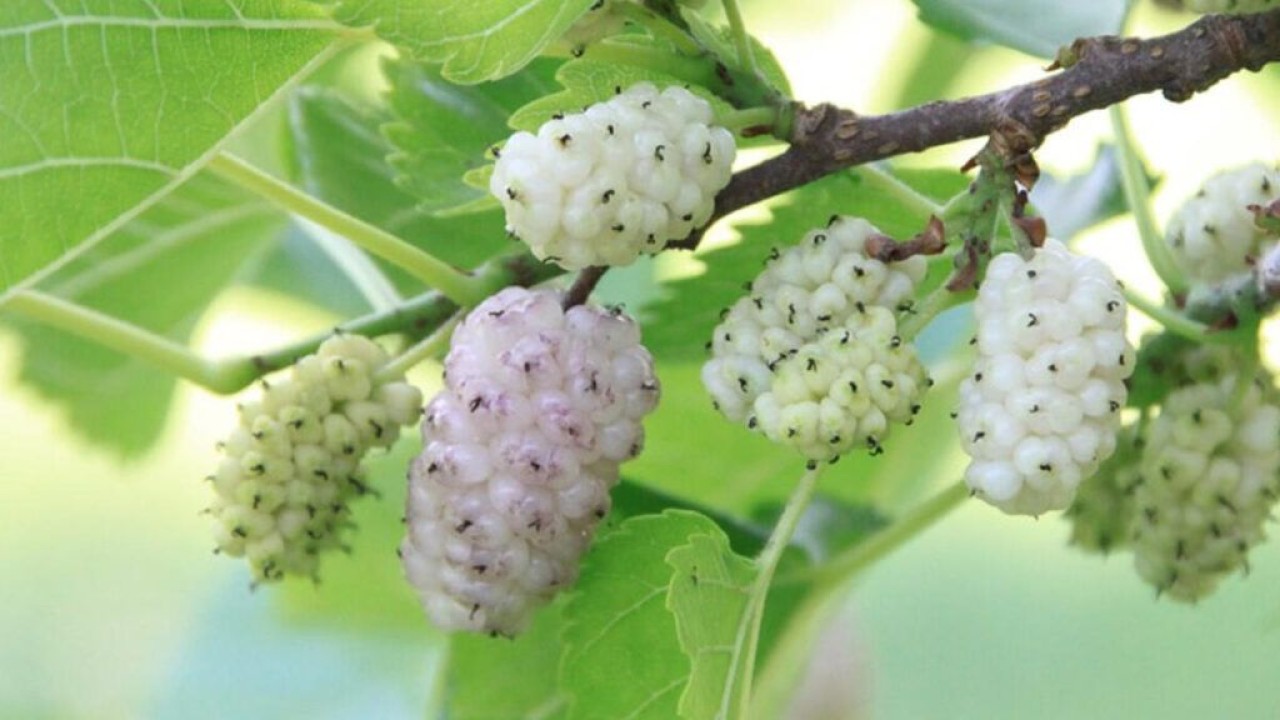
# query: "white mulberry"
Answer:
x=541 y=405
x=620 y=179
x=291 y=468
x=1213 y=235
x=1210 y=473
x=812 y=357
x=1041 y=410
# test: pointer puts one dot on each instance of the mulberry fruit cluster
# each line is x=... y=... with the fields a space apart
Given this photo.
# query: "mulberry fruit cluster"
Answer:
x=1102 y=513
x=812 y=357
x=1210 y=475
x=1041 y=410
x=620 y=179
x=292 y=467
x=1213 y=235
x=541 y=405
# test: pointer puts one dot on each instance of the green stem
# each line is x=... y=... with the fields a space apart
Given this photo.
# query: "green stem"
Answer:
x=659 y=27
x=741 y=40
x=423 y=312
x=831 y=582
x=121 y=336
x=861 y=556
x=1137 y=194
x=767 y=564
x=455 y=284
x=736 y=120
x=923 y=312
x=1174 y=321
x=417 y=316
x=884 y=181
x=428 y=347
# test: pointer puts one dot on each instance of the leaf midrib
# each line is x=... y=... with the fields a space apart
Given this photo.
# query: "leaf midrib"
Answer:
x=62 y=22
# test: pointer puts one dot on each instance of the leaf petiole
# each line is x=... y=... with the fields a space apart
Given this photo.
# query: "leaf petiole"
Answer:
x=1174 y=321
x=735 y=121
x=1137 y=195
x=741 y=40
x=861 y=556
x=455 y=284
x=923 y=312
x=429 y=347
x=123 y=337
x=422 y=314
x=747 y=642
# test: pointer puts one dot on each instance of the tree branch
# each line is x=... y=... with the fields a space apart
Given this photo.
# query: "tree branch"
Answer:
x=1102 y=71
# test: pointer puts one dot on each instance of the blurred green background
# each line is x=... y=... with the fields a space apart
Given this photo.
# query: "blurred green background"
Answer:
x=113 y=606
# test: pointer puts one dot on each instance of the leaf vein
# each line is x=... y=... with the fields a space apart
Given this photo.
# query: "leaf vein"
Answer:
x=622 y=615
x=65 y=22
x=656 y=696
x=17 y=171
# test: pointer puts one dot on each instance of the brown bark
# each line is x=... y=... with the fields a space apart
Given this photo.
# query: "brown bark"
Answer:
x=1101 y=72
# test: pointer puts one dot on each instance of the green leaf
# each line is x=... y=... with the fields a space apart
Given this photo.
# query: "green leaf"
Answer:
x=1036 y=27
x=341 y=158
x=1075 y=203
x=588 y=81
x=512 y=679
x=683 y=322
x=478 y=178
x=931 y=70
x=296 y=268
x=107 y=106
x=475 y=41
x=443 y=131
x=720 y=40
x=755 y=471
x=526 y=667
x=709 y=593
x=622 y=658
x=160 y=271
x=632 y=498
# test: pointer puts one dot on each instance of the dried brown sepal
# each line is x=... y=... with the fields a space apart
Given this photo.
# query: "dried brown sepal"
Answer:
x=1013 y=142
x=930 y=241
x=1034 y=228
x=965 y=276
